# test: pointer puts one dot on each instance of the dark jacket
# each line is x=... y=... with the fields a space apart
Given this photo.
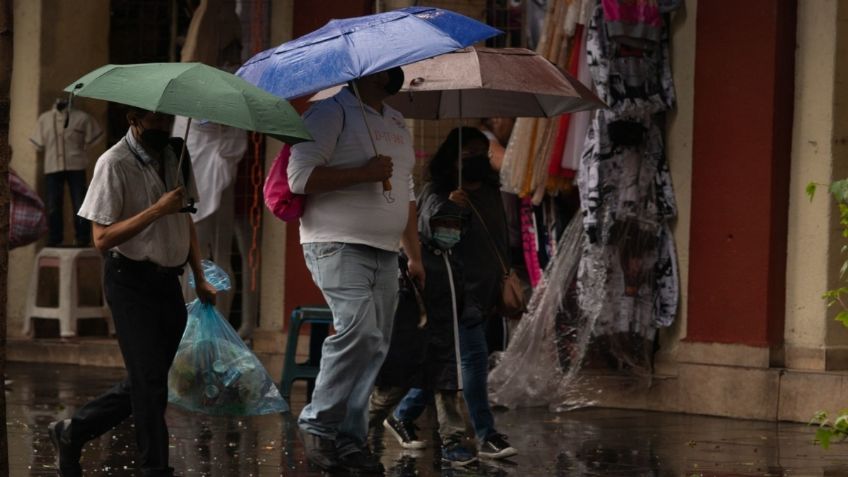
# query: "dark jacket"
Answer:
x=426 y=357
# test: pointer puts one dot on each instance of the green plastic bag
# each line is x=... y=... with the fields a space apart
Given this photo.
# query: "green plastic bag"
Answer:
x=215 y=373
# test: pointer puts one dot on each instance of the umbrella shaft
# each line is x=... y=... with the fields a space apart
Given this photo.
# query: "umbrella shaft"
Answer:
x=183 y=152
x=387 y=185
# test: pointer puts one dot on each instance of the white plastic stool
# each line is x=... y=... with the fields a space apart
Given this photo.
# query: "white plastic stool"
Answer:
x=69 y=309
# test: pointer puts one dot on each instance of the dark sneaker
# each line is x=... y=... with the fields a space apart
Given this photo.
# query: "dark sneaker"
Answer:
x=496 y=447
x=320 y=451
x=404 y=432
x=363 y=462
x=67 y=453
x=455 y=455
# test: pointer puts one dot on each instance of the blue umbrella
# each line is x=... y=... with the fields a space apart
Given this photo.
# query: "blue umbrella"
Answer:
x=346 y=49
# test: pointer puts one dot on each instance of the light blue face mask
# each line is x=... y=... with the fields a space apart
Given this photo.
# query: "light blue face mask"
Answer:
x=446 y=237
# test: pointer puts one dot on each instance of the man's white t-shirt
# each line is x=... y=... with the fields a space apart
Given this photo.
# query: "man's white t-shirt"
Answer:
x=359 y=213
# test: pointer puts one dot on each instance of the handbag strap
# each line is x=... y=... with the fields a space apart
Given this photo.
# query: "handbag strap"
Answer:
x=491 y=239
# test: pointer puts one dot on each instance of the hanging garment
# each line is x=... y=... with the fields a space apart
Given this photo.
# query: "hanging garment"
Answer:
x=529 y=240
x=633 y=20
x=559 y=177
x=579 y=124
x=625 y=186
x=64 y=135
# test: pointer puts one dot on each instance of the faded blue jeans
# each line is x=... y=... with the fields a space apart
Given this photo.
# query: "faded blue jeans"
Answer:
x=360 y=284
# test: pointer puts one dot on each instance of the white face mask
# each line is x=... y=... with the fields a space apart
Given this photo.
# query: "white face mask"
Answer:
x=446 y=237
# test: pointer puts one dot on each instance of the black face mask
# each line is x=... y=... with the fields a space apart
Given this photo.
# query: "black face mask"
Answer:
x=395 y=80
x=476 y=168
x=155 y=139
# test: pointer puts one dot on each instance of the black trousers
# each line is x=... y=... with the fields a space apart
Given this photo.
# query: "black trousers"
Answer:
x=55 y=202
x=150 y=316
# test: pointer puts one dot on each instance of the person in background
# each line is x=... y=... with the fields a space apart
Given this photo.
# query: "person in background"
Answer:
x=214 y=38
x=462 y=232
x=134 y=204
x=498 y=131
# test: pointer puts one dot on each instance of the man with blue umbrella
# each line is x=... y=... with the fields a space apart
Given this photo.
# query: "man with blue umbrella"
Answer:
x=350 y=236
x=354 y=216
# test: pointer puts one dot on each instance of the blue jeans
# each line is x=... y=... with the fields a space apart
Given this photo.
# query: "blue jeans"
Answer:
x=360 y=285
x=475 y=377
x=475 y=374
x=412 y=406
x=55 y=202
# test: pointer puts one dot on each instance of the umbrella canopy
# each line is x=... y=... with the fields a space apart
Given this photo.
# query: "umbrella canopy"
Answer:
x=490 y=82
x=197 y=91
x=346 y=49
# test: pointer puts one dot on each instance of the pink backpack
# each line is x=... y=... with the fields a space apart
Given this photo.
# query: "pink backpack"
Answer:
x=279 y=198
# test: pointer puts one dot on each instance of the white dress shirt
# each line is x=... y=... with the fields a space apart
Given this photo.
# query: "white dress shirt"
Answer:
x=125 y=183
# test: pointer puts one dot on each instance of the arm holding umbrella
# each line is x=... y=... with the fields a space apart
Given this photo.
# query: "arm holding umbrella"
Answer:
x=309 y=174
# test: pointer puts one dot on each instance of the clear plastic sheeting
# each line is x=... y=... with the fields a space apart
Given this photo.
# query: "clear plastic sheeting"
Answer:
x=215 y=373
x=592 y=321
x=544 y=356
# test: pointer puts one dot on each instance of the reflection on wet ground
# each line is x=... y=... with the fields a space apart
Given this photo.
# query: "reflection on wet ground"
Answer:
x=592 y=442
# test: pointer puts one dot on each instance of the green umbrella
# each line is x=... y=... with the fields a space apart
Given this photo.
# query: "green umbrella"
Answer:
x=197 y=91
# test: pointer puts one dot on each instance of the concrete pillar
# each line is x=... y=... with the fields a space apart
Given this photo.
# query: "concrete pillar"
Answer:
x=813 y=339
x=740 y=174
x=24 y=112
x=269 y=336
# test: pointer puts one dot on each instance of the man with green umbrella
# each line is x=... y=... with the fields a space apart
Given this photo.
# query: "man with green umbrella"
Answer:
x=134 y=203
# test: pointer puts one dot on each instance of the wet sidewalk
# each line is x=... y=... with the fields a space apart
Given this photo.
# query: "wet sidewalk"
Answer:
x=592 y=442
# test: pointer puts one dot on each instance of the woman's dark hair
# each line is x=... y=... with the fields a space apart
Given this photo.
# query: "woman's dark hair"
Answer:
x=443 y=168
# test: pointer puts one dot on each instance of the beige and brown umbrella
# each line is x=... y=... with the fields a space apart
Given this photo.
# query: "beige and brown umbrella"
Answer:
x=487 y=82
x=490 y=82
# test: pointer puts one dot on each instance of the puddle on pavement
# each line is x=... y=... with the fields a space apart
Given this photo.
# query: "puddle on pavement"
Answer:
x=588 y=442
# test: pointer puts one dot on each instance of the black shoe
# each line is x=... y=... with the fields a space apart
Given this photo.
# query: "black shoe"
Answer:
x=404 y=432
x=67 y=453
x=362 y=461
x=496 y=447
x=319 y=451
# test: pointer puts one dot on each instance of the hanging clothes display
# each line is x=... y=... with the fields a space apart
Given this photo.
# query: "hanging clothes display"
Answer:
x=534 y=162
x=613 y=280
x=625 y=185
